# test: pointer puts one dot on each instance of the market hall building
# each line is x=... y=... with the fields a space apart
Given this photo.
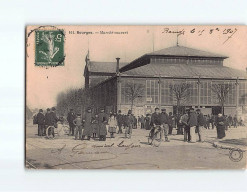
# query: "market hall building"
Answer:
x=107 y=82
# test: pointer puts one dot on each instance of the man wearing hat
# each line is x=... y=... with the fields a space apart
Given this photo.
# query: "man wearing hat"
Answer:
x=119 y=122
x=41 y=122
x=70 y=118
x=88 y=124
x=184 y=121
x=47 y=119
x=164 y=124
x=192 y=122
x=51 y=120
x=129 y=124
x=201 y=123
x=103 y=120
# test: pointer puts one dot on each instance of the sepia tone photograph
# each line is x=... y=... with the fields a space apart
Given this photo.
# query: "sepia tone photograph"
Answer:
x=136 y=97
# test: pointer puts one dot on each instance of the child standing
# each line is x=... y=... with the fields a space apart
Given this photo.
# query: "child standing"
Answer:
x=112 y=125
x=78 y=129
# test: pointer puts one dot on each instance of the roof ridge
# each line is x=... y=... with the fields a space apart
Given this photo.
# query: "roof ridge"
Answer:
x=179 y=50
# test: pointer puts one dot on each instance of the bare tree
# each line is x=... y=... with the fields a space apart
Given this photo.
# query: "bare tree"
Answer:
x=180 y=93
x=77 y=99
x=221 y=92
x=133 y=91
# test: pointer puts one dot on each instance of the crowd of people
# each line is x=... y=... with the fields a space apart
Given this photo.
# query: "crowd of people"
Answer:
x=191 y=124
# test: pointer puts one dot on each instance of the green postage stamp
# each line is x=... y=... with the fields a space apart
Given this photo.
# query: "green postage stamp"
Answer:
x=49 y=48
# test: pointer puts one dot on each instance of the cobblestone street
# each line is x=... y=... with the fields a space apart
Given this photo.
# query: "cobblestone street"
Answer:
x=119 y=153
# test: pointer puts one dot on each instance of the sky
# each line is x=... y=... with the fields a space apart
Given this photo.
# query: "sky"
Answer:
x=44 y=84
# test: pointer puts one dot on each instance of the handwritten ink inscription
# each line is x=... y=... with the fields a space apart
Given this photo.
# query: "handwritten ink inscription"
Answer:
x=227 y=32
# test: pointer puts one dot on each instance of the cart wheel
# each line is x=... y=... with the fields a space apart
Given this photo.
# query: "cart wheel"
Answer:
x=156 y=142
x=66 y=130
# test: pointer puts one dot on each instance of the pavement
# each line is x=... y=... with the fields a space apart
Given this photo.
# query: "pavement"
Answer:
x=119 y=153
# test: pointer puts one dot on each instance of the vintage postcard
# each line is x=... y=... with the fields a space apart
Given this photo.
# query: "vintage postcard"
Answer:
x=136 y=97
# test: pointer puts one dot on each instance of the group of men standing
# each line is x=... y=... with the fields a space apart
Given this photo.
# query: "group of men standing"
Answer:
x=46 y=121
x=89 y=125
x=193 y=122
x=96 y=125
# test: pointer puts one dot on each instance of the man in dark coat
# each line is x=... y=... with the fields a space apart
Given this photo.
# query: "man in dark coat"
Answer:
x=88 y=124
x=48 y=121
x=129 y=124
x=119 y=121
x=103 y=120
x=164 y=123
x=170 y=123
x=142 y=121
x=95 y=126
x=201 y=124
x=41 y=122
x=155 y=120
x=184 y=121
x=70 y=118
x=212 y=120
x=147 y=122
x=192 y=122
x=51 y=120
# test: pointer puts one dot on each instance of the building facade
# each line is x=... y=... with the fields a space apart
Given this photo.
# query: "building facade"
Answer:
x=149 y=82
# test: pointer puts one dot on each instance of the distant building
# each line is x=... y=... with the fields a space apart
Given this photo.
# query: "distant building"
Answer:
x=156 y=72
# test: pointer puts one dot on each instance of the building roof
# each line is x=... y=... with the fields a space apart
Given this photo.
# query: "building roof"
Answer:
x=184 y=51
x=105 y=67
x=184 y=71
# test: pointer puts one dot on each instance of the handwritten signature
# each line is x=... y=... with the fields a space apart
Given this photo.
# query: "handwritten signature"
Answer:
x=121 y=145
x=80 y=148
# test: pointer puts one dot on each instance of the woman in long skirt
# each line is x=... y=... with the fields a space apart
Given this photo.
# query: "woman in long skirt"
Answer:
x=220 y=125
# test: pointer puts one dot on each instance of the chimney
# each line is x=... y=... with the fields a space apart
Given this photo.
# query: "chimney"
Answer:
x=117 y=68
